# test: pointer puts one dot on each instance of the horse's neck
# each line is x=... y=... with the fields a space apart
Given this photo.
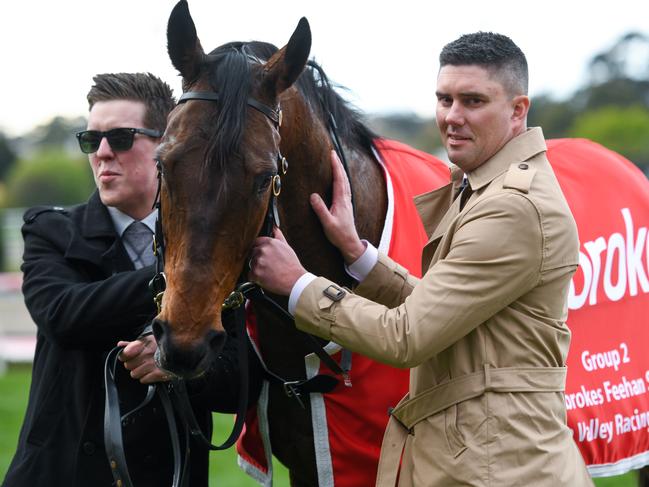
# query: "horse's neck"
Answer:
x=370 y=195
x=307 y=147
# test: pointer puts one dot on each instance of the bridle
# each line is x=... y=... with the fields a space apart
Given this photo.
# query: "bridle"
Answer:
x=248 y=290
x=173 y=395
x=251 y=291
x=158 y=283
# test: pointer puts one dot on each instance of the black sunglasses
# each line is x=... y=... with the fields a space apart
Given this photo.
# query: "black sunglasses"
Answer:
x=120 y=139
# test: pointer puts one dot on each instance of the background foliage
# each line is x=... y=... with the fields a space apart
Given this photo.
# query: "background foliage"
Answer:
x=49 y=177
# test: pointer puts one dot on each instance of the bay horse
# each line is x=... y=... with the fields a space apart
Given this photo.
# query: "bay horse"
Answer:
x=246 y=109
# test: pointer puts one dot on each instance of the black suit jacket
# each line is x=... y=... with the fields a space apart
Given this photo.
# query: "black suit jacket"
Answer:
x=84 y=295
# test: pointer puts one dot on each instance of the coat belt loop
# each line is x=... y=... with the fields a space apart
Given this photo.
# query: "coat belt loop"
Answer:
x=487 y=378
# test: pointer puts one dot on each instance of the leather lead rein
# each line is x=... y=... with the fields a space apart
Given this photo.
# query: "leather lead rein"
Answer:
x=172 y=396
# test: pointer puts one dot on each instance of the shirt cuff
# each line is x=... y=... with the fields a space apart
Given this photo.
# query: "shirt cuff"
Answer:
x=361 y=267
x=296 y=291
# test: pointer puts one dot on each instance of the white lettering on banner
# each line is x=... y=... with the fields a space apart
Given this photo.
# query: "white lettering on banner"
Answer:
x=615 y=292
x=596 y=429
x=609 y=392
x=626 y=388
x=624 y=269
x=603 y=360
x=584 y=398
x=637 y=421
x=634 y=255
x=593 y=429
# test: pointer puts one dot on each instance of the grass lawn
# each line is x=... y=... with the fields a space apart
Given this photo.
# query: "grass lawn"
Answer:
x=14 y=387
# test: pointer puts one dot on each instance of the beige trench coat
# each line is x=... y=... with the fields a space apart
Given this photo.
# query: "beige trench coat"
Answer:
x=484 y=331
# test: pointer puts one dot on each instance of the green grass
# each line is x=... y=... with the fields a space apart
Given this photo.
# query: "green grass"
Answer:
x=224 y=472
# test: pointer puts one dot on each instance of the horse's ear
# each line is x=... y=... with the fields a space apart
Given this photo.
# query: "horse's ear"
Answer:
x=287 y=64
x=183 y=46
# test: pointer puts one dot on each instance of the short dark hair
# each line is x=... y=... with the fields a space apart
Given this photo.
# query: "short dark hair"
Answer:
x=156 y=95
x=495 y=52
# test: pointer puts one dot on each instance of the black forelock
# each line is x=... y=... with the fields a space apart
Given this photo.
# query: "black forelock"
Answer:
x=228 y=74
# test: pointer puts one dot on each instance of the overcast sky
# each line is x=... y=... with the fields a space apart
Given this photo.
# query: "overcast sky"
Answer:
x=385 y=52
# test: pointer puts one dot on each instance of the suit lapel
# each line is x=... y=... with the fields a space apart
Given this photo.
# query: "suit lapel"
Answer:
x=98 y=242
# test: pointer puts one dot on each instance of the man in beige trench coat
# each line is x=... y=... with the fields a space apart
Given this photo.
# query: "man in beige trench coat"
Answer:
x=484 y=331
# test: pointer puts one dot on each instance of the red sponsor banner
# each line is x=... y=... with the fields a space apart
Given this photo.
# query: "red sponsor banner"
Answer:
x=607 y=390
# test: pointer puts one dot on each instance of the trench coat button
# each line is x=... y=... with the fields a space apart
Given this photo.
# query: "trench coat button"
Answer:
x=89 y=448
x=523 y=166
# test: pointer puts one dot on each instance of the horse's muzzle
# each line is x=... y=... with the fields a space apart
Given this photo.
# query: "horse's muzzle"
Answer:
x=188 y=361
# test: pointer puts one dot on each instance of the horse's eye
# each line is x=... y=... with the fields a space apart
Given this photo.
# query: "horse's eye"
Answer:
x=264 y=183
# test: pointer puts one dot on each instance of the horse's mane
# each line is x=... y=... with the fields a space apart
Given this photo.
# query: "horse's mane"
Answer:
x=229 y=74
x=316 y=87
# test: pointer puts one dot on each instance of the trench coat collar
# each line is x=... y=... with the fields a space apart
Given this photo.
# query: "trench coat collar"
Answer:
x=432 y=206
x=520 y=148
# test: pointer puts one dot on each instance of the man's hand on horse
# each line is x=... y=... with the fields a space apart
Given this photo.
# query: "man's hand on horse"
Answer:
x=338 y=221
x=138 y=357
x=274 y=265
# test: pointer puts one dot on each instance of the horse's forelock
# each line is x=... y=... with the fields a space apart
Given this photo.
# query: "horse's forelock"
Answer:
x=229 y=76
x=228 y=73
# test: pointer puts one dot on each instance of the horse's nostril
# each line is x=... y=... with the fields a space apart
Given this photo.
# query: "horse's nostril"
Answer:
x=158 y=330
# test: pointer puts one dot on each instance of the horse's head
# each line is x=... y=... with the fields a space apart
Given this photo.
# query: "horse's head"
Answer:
x=219 y=157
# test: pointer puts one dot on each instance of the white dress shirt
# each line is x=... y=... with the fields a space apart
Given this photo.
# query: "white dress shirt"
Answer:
x=359 y=269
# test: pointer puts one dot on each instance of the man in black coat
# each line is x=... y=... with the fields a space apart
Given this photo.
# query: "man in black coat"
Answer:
x=86 y=288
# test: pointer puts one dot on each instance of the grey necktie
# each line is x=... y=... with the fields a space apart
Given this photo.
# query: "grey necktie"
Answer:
x=139 y=240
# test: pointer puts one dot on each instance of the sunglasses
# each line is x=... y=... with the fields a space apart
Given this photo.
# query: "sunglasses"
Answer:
x=120 y=139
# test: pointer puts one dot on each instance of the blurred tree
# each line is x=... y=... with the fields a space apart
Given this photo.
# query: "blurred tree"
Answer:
x=620 y=91
x=7 y=156
x=555 y=117
x=58 y=132
x=612 y=108
x=622 y=129
x=619 y=75
x=628 y=57
x=408 y=128
x=49 y=177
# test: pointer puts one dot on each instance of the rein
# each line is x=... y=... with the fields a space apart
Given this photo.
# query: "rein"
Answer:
x=173 y=396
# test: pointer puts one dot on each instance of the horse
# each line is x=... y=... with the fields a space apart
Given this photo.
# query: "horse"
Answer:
x=247 y=109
